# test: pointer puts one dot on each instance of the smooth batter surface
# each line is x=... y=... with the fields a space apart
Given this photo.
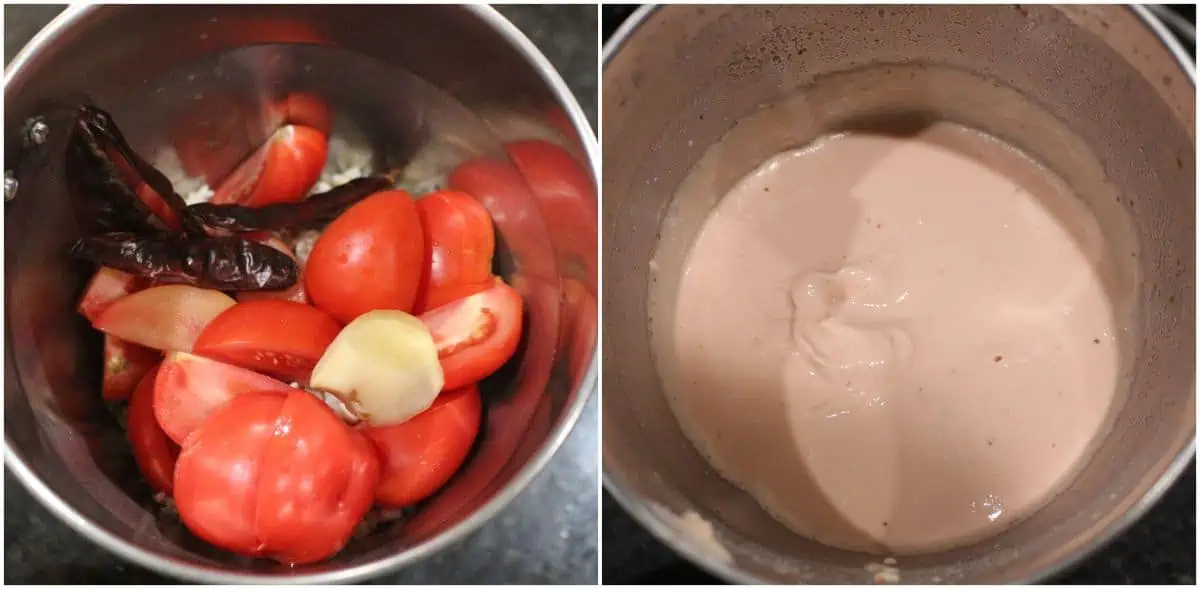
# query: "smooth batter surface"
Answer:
x=895 y=344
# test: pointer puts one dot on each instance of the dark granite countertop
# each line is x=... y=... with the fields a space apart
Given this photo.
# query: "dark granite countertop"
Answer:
x=1159 y=549
x=528 y=543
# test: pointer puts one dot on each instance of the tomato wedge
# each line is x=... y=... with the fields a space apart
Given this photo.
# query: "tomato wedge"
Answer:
x=188 y=388
x=459 y=244
x=153 y=451
x=475 y=336
x=282 y=170
x=164 y=318
x=368 y=259
x=420 y=455
x=106 y=286
x=276 y=475
x=124 y=366
x=280 y=338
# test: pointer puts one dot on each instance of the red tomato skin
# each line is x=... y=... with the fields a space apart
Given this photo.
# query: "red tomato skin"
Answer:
x=153 y=451
x=277 y=476
x=495 y=332
x=219 y=470
x=282 y=170
x=420 y=455
x=368 y=258
x=459 y=244
x=282 y=339
x=318 y=481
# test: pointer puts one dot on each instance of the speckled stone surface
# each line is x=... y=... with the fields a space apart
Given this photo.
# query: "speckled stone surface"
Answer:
x=569 y=36
x=1159 y=549
x=546 y=536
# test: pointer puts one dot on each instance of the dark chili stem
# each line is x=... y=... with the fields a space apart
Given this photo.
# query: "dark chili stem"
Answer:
x=318 y=209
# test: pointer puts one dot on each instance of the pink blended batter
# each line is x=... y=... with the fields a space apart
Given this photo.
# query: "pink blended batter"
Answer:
x=896 y=345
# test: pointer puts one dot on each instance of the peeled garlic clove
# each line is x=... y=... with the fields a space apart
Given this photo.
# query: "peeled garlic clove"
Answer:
x=383 y=366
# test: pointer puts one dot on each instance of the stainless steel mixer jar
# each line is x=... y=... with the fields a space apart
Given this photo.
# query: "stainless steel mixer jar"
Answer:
x=676 y=78
x=140 y=62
